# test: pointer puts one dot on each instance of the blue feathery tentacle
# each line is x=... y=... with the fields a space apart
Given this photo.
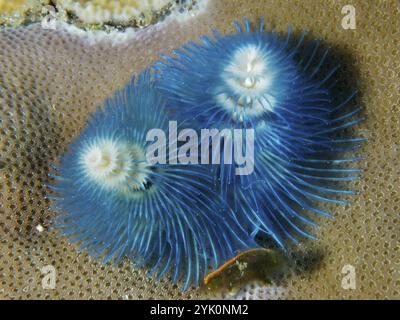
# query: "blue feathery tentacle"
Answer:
x=115 y=204
x=276 y=86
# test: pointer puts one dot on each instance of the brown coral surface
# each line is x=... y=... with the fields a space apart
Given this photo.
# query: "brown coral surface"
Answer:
x=51 y=80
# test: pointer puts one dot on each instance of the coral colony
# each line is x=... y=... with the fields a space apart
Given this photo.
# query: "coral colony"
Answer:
x=234 y=140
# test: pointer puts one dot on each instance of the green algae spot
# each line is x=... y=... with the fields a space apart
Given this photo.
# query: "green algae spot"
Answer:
x=17 y=12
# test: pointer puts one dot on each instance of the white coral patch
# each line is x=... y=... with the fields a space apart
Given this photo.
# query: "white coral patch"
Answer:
x=247 y=75
x=115 y=165
x=116 y=11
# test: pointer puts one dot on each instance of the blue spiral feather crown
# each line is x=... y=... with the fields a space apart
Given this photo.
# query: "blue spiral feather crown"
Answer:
x=257 y=79
x=115 y=204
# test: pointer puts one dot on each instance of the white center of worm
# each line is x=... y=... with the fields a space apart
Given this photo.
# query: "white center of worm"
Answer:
x=115 y=165
x=247 y=80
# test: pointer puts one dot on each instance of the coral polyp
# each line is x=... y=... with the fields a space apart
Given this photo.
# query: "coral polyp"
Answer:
x=279 y=87
x=115 y=202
